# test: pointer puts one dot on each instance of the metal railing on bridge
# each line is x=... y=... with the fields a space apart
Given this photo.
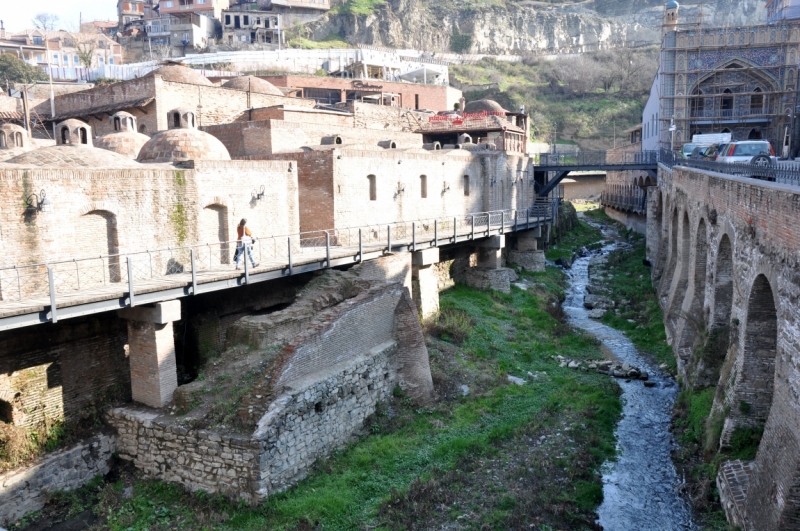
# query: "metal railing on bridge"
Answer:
x=599 y=159
x=782 y=172
x=45 y=288
x=631 y=202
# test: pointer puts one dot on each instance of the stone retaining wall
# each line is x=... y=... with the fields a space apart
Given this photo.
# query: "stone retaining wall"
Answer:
x=27 y=489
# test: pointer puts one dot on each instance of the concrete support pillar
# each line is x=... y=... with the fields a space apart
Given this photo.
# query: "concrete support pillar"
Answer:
x=490 y=252
x=527 y=255
x=425 y=282
x=151 y=349
x=489 y=272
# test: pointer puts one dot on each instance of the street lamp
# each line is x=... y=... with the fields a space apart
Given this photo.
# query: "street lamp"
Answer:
x=672 y=129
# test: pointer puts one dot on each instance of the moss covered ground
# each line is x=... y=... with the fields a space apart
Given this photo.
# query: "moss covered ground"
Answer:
x=488 y=454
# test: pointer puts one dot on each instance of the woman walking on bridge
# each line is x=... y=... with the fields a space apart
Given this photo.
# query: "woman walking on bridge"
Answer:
x=244 y=241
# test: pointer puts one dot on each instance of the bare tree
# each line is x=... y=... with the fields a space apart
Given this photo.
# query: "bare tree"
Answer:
x=160 y=51
x=45 y=21
x=85 y=45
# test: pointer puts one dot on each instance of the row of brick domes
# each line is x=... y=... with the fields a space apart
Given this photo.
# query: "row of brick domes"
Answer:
x=181 y=142
x=177 y=73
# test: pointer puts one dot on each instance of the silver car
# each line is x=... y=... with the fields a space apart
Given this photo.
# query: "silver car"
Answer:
x=755 y=152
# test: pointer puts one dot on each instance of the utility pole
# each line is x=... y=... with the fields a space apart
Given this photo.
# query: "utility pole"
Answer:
x=615 y=135
x=26 y=110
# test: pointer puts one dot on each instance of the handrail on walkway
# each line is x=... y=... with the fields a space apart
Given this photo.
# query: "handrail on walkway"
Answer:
x=122 y=277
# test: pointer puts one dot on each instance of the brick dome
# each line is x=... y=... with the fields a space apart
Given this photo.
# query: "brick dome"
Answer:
x=67 y=156
x=125 y=140
x=478 y=106
x=179 y=145
x=182 y=74
x=253 y=84
x=126 y=143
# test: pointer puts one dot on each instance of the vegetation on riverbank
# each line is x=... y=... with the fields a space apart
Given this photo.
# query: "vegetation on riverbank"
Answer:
x=488 y=454
x=587 y=99
x=627 y=278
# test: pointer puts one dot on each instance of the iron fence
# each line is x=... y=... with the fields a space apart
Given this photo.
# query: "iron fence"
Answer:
x=599 y=158
x=783 y=172
x=79 y=280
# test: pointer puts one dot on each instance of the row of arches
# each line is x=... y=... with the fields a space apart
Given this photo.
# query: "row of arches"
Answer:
x=696 y=267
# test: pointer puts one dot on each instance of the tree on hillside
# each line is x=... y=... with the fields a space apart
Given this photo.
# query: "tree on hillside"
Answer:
x=13 y=70
x=45 y=21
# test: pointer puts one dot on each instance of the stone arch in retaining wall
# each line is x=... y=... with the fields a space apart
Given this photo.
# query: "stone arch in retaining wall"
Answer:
x=671 y=255
x=753 y=383
x=680 y=282
x=692 y=310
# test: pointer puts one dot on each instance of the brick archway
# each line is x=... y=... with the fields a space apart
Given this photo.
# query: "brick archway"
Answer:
x=694 y=322
x=680 y=283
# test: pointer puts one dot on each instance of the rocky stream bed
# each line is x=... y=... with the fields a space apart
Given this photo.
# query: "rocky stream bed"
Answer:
x=641 y=487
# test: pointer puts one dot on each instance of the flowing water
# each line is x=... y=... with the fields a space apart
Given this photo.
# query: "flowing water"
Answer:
x=640 y=487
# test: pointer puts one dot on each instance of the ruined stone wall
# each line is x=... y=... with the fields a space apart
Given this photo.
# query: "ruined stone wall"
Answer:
x=108 y=211
x=27 y=489
x=326 y=382
x=197 y=459
x=734 y=247
x=67 y=373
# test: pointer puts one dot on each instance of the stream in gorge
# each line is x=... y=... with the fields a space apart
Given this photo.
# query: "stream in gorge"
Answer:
x=640 y=487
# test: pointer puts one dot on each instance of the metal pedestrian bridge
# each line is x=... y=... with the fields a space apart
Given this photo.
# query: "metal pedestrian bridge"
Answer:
x=562 y=164
x=31 y=294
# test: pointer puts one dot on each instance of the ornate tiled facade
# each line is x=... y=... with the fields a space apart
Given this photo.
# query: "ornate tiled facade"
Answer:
x=738 y=80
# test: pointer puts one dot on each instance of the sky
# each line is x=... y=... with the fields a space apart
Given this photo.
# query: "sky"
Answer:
x=17 y=14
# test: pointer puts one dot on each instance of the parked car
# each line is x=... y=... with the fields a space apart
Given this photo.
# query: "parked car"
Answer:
x=704 y=152
x=687 y=150
x=755 y=152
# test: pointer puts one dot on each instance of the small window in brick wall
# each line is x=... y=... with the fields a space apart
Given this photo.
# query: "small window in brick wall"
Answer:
x=423 y=186
x=373 y=188
x=466 y=185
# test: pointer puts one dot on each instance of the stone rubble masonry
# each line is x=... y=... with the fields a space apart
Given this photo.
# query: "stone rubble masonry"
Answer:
x=151 y=348
x=197 y=459
x=328 y=380
x=27 y=489
x=533 y=261
x=733 y=480
x=727 y=259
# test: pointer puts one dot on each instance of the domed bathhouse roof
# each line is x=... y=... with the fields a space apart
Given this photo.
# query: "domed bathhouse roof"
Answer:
x=14 y=141
x=181 y=74
x=125 y=140
x=182 y=142
x=66 y=156
x=73 y=149
x=478 y=106
x=672 y=4
x=253 y=84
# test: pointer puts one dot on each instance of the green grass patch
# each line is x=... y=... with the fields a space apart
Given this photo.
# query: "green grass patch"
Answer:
x=509 y=454
x=357 y=7
x=638 y=312
x=583 y=235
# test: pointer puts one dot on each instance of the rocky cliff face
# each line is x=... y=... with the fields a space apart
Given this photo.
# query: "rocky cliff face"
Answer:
x=518 y=27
